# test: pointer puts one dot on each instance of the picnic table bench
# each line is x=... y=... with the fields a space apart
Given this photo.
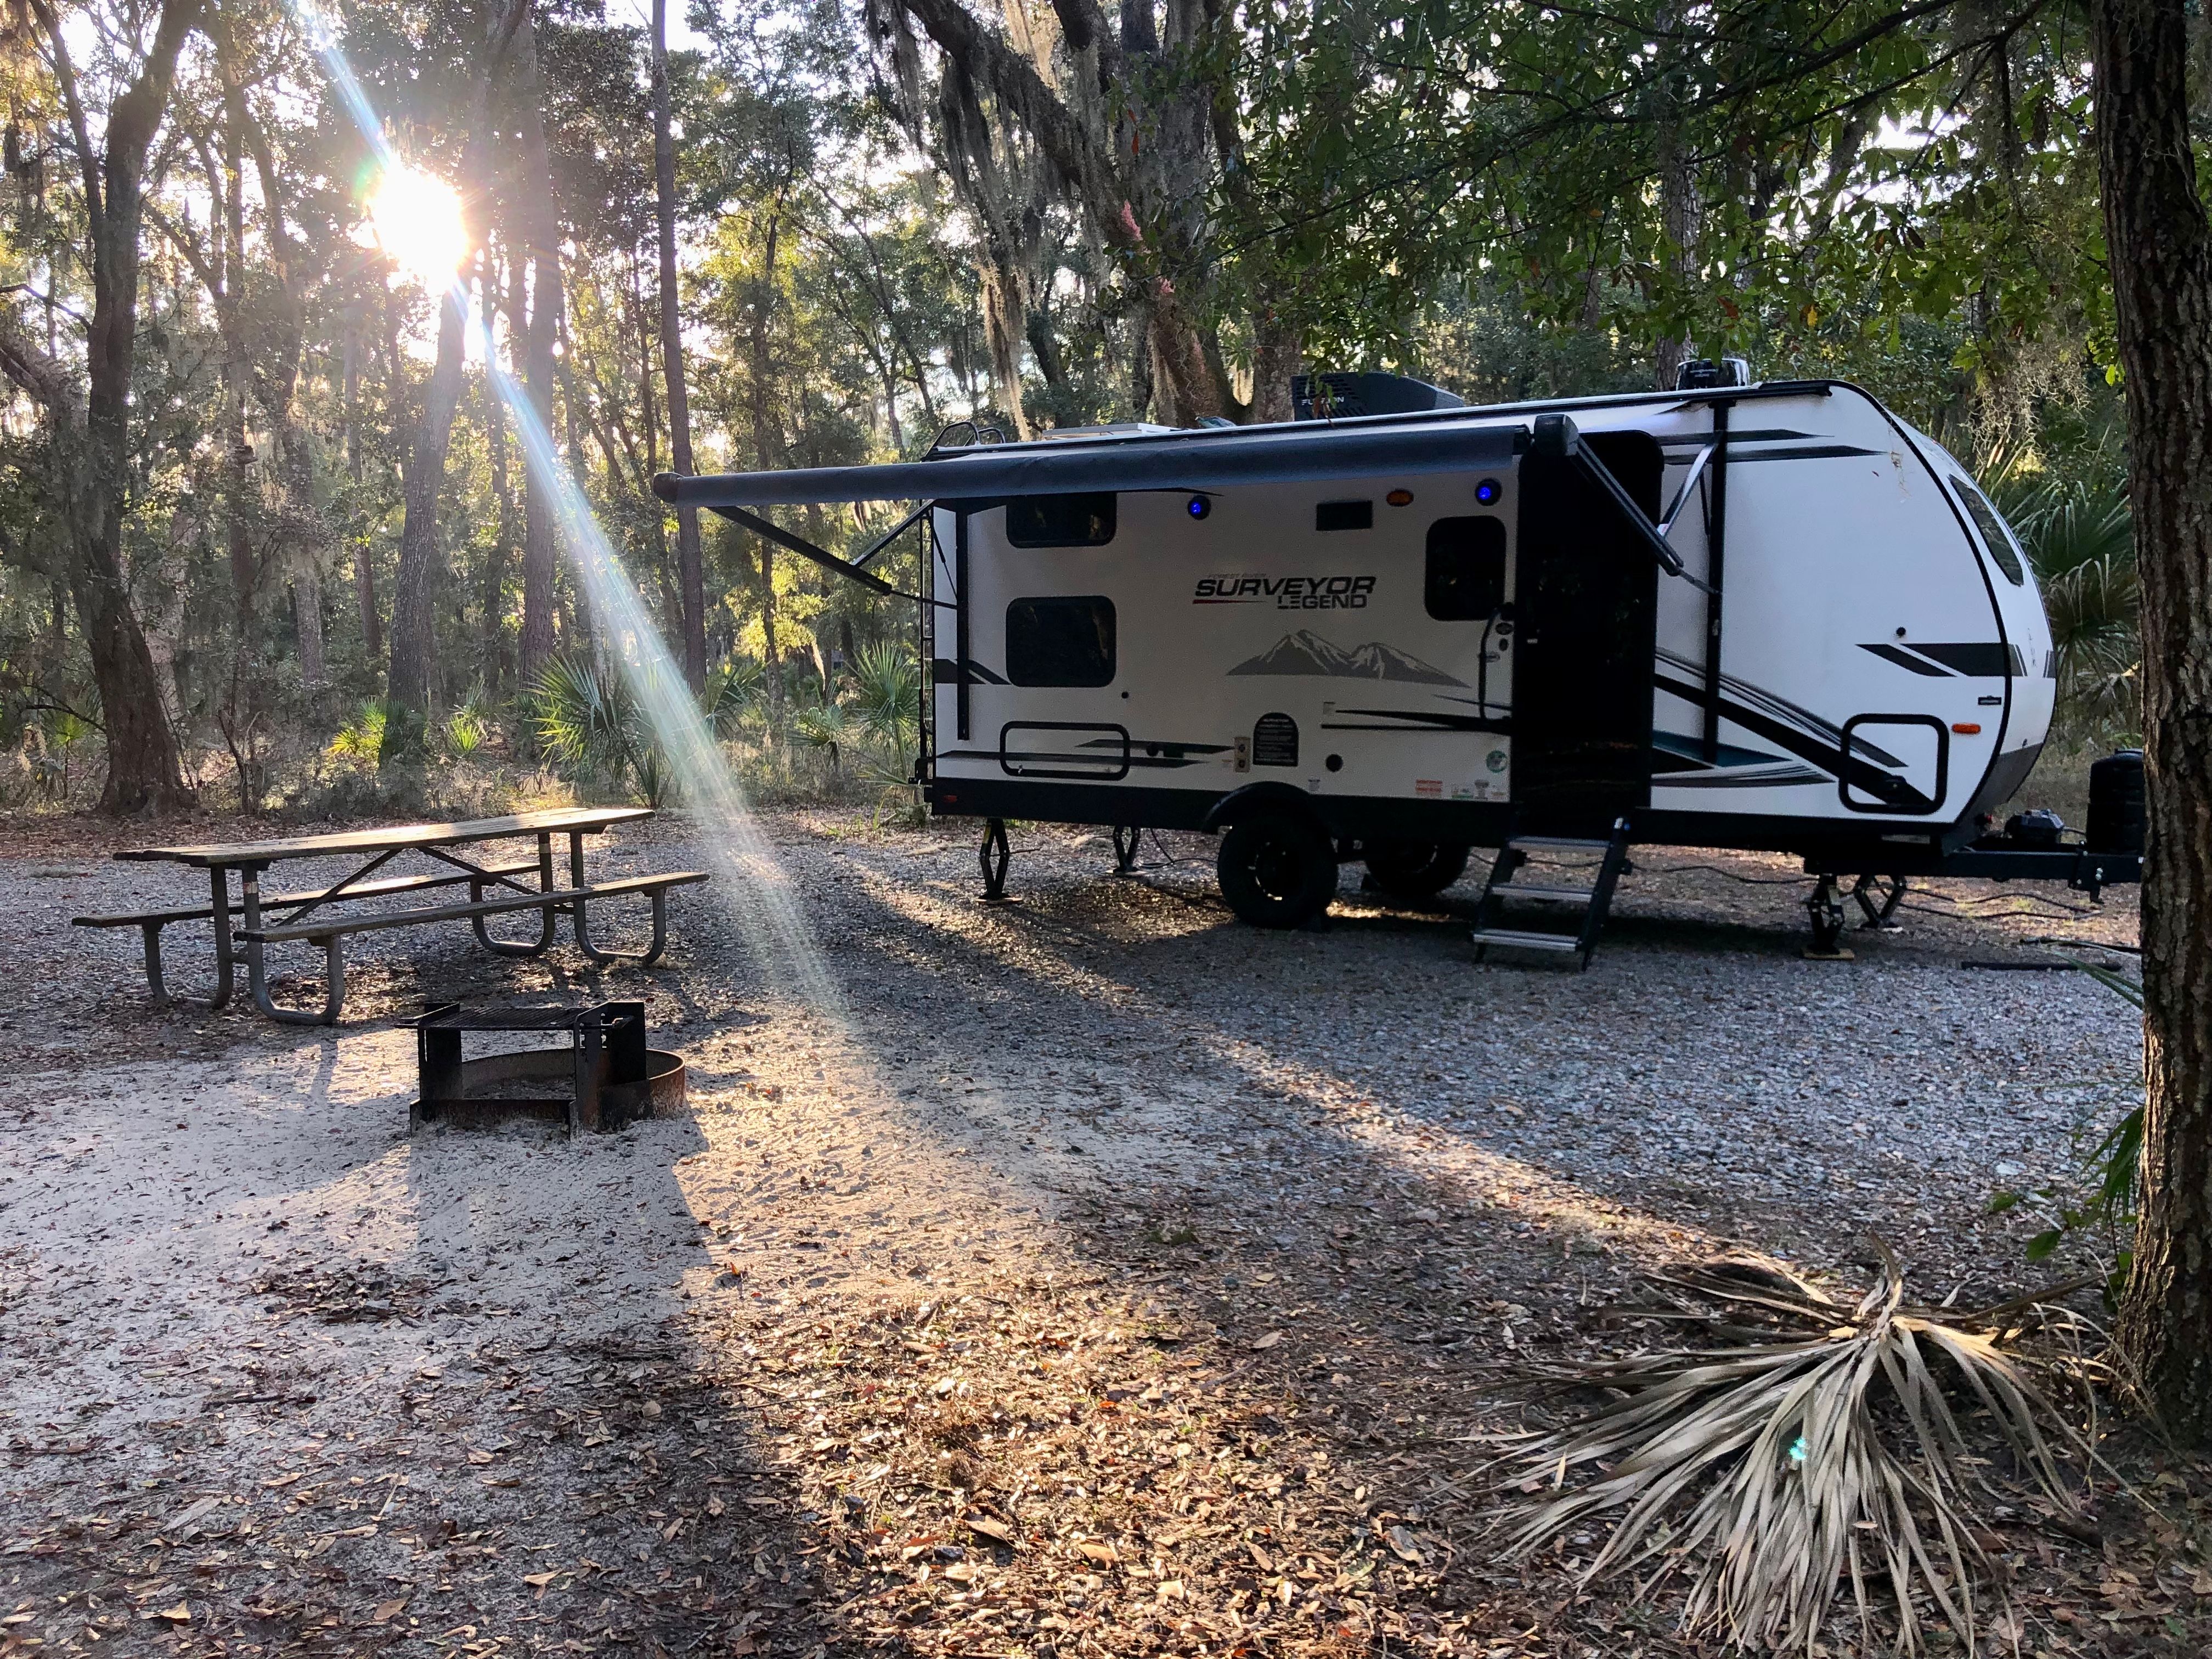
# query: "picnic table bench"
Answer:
x=254 y=930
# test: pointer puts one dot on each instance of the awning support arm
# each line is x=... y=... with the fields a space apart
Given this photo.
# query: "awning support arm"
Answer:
x=771 y=531
x=868 y=554
x=1555 y=435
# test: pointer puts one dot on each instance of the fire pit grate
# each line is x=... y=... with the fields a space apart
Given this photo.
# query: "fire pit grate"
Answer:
x=612 y=1078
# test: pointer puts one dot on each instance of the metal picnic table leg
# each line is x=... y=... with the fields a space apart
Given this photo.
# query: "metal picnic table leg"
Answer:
x=548 y=922
x=249 y=885
x=644 y=958
x=225 y=950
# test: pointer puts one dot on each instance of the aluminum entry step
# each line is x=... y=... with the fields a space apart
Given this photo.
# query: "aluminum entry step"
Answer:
x=1506 y=890
x=1561 y=841
x=1565 y=942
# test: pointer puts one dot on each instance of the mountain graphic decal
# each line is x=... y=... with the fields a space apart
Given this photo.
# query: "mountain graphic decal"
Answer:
x=1307 y=652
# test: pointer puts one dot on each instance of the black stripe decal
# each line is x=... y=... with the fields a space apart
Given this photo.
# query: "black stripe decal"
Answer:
x=1890 y=654
x=1866 y=778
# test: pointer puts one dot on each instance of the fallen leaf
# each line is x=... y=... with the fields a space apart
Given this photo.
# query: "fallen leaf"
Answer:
x=540 y=1580
x=1267 y=1341
x=185 y=1518
x=1259 y=1557
x=743 y=1645
x=284 y=1479
x=990 y=1529
x=1100 y=1553
x=387 y=1611
x=715 y=1504
x=179 y=1614
x=1171 y=1589
x=1403 y=1546
x=670 y=1531
x=476 y=1456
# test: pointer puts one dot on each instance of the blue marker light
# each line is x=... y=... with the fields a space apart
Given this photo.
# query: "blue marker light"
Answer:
x=1199 y=507
x=1487 y=492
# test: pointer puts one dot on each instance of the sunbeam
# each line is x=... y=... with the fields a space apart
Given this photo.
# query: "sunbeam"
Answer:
x=754 y=886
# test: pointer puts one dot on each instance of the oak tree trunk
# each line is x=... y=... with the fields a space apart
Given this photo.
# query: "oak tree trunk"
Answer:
x=143 y=769
x=2162 y=267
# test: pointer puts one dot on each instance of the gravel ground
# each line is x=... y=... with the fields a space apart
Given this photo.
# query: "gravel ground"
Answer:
x=1103 y=1277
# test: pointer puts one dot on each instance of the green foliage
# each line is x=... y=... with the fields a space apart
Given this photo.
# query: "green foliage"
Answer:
x=360 y=739
x=733 y=695
x=887 y=691
x=587 y=720
x=827 y=727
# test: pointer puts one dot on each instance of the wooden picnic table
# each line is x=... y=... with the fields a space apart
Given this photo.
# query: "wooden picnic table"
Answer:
x=255 y=930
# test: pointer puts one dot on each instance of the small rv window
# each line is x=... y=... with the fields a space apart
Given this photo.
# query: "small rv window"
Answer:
x=1466 y=577
x=1061 y=641
x=2003 y=548
x=1061 y=520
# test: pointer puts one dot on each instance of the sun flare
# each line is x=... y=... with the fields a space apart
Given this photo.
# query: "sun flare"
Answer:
x=417 y=223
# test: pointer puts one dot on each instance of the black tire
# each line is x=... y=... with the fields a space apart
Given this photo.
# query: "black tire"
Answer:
x=1414 y=869
x=1277 y=870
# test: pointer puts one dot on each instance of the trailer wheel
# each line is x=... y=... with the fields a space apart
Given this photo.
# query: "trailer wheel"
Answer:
x=1277 y=870
x=1415 y=869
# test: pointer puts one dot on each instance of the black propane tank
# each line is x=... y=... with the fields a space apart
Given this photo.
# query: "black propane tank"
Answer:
x=2116 y=802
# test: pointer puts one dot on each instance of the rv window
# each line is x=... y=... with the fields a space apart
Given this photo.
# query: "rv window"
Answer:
x=1061 y=520
x=2003 y=548
x=1061 y=641
x=1345 y=515
x=1465 y=580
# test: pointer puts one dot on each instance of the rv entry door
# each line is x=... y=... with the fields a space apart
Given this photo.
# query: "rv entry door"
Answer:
x=1586 y=598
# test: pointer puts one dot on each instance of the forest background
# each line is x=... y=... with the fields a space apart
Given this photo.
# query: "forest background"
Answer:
x=265 y=532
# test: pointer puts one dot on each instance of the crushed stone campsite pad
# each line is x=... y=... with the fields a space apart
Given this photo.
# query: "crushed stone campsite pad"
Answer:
x=1111 y=1278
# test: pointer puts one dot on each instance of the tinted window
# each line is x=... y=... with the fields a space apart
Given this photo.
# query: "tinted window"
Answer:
x=1345 y=515
x=1466 y=576
x=1061 y=641
x=1061 y=520
x=1994 y=534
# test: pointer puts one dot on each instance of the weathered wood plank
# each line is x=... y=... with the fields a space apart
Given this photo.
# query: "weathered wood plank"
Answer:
x=360 y=890
x=629 y=884
x=560 y=821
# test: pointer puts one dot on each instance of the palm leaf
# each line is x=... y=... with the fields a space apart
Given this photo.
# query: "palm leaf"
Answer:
x=1827 y=1447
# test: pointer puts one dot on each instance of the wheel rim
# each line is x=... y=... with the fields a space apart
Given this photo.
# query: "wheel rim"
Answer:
x=1275 y=869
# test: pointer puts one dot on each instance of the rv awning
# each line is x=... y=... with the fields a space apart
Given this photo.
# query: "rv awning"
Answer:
x=1212 y=458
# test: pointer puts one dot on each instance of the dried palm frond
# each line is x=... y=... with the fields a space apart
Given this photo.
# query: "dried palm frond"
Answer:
x=1817 y=1440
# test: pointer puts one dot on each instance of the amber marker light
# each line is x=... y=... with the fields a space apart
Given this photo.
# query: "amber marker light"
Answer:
x=1400 y=498
x=1967 y=728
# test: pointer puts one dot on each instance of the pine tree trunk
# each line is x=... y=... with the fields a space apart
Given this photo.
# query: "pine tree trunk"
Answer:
x=540 y=543
x=690 y=572
x=364 y=574
x=2161 y=266
x=415 y=592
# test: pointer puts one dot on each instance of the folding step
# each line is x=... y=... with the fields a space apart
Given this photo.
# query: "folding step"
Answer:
x=1521 y=941
x=1596 y=899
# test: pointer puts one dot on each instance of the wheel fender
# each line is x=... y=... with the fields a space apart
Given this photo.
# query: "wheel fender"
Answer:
x=1253 y=799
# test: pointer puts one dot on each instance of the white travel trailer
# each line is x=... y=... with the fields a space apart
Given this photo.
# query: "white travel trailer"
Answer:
x=1768 y=616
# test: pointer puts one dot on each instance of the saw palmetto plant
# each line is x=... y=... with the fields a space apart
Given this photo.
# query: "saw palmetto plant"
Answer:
x=1808 y=1443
